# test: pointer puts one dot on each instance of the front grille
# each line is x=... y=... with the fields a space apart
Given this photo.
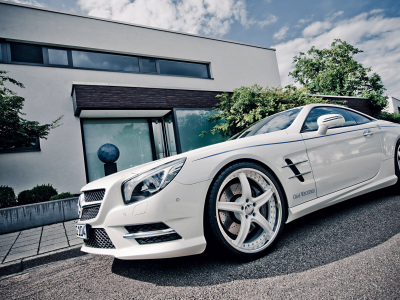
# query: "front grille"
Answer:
x=98 y=238
x=95 y=195
x=90 y=212
x=146 y=227
x=159 y=239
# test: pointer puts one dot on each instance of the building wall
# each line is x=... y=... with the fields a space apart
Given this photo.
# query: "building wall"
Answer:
x=47 y=90
x=394 y=105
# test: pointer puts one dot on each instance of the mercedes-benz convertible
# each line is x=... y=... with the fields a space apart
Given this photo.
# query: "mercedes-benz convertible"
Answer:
x=237 y=195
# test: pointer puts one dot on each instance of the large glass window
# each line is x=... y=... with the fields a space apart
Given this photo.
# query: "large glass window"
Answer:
x=58 y=57
x=191 y=123
x=149 y=65
x=102 y=61
x=131 y=136
x=1 y=52
x=170 y=67
x=26 y=53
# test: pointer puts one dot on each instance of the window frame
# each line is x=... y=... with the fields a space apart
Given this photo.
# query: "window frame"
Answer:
x=23 y=149
x=6 y=53
x=356 y=124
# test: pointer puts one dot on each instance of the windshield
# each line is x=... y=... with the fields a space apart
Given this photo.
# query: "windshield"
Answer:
x=276 y=122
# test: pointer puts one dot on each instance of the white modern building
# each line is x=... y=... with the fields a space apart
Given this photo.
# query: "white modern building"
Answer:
x=149 y=91
x=394 y=105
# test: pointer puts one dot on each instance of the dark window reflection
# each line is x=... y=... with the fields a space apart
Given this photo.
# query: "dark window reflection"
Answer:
x=280 y=122
x=183 y=68
x=360 y=119
x=58 y=57
x=311 y=121
x=1 y=54
x=102 y=61
x=26 y=53
x=149 y=65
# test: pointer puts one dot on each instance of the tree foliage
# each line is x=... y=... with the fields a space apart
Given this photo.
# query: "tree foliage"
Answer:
x=14 y=130
x=334 y=71
x=247 y=105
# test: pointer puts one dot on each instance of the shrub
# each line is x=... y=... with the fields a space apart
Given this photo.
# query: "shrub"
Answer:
x=62 y=196
x=24 y=197
x=42 y=193
x=7 y=196
x=392 y=117
x=39 y=193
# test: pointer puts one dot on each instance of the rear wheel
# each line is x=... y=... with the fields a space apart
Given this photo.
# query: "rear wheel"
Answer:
x=245 y=211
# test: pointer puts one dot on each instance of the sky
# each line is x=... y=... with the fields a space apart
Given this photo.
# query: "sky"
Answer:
x=289 y=26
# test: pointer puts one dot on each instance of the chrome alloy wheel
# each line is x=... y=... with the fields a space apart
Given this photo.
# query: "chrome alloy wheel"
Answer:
x=249 y=210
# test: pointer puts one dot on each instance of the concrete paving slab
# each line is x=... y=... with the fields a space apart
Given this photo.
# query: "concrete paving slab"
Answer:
x=31 y=230
x=26 y=242
x=6 y=246
x=53 y=247
x=27 y=238
x=6 y=243
x=75 y=242
x=4 y=252
x=20 y=248
x=59 y=225
x=52 y=237
x=9 y=235
x=53 y=231
x=20 y=255
x=52 y=242
x=7 y=240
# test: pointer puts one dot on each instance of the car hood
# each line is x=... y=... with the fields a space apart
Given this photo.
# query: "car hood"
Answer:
x=190 y=155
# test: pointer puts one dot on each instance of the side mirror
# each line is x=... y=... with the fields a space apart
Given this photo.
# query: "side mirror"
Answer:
x=328 y=121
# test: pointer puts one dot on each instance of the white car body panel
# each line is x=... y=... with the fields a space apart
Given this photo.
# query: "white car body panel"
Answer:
x=357 y=164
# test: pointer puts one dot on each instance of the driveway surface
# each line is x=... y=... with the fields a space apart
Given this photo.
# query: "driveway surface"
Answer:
x=350 y=250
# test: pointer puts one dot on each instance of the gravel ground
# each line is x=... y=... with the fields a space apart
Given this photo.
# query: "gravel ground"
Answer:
x=350 y=250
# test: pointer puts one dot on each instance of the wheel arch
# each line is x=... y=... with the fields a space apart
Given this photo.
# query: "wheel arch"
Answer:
x=251 y=160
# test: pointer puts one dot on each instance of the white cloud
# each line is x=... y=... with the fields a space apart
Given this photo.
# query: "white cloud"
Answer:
x=377 y=35
x=268 y=20
x=28 y=2
x=376 y=11
x=316 y=28
x=280 y=35
x=210 y=17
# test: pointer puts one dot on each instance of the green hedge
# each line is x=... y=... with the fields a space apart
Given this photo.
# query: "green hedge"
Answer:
x=39 y=193
x=62 y=196
x=7 y=196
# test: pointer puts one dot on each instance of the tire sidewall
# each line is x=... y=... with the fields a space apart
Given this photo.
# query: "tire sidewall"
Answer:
x=214 y=237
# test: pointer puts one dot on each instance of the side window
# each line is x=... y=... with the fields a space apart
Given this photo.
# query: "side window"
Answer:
x=360 y=119
x=282 y=121
x=311 y=122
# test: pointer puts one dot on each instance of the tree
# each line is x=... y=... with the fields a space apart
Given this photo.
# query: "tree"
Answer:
x=334 y=71
x=14 y=130
x=247 y=105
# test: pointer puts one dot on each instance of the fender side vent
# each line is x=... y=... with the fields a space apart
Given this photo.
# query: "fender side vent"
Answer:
x=294 y=170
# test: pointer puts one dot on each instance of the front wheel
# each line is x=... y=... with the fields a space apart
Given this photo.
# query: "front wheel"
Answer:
x=245 y=211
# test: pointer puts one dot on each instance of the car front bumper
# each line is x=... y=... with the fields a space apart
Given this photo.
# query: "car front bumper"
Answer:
x=178 y=206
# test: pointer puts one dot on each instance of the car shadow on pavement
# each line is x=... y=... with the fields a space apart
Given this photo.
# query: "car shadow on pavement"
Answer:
x=328 y=235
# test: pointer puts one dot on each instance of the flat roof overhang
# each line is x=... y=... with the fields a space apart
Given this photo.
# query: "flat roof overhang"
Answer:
x=120 y=101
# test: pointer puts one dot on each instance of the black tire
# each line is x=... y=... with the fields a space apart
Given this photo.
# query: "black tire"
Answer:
x=227 y=192
x=397 y=163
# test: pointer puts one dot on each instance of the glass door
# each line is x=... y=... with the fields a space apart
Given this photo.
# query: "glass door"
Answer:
x=164 y=137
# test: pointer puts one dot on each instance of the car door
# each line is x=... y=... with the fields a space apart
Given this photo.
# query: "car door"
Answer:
x=344 y=156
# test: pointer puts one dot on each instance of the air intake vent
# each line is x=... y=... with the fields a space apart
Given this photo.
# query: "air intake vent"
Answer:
x=90 y=212
x=146 y=227
x=98 y=238
x=95 y=195
x=159 y=239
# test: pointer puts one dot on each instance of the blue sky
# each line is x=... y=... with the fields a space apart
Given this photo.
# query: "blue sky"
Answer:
x=289 y=26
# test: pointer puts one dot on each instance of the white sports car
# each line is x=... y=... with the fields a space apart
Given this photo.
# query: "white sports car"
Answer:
x=237 y=195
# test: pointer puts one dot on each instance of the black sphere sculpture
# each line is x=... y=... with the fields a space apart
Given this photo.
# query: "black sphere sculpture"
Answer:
x=108 y=154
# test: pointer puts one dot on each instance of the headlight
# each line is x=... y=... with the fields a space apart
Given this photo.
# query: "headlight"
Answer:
x=147 y=184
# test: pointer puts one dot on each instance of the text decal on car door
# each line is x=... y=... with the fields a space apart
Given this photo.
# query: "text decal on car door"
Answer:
x=302 y=194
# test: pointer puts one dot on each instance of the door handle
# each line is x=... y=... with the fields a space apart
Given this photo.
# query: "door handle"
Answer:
x=367 y=133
